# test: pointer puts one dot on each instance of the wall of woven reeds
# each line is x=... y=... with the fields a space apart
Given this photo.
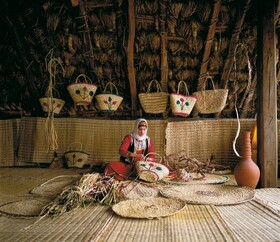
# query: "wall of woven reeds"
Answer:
x=172 y=41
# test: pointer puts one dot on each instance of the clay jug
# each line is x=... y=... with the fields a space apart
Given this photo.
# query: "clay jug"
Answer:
x=246 y=172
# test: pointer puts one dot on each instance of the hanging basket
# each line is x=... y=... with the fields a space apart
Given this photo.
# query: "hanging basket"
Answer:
x=182 y=105
x=210 y=101
x=108 y=101
x=51 y=104
x=82 y=92
x=155 y=102
x=75 y=155
x=151 y=171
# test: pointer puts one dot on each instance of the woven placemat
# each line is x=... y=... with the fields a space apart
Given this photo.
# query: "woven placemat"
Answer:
x=137 y=189
x=195 y=180
x=209 y=194
x=148 y=208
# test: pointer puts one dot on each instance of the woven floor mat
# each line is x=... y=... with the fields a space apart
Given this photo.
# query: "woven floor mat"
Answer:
x=209 y=194
x=193 y=223
x=55 y=185
x=24 y=207
x=78 y=225
x=251 y=222
x=269 y=197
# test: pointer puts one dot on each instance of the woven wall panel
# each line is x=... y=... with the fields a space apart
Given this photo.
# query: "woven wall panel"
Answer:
x=205 y=138
x=101 y=138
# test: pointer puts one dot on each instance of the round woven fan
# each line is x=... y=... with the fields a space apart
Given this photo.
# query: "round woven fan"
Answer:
x=148 y=208
x=209 y=194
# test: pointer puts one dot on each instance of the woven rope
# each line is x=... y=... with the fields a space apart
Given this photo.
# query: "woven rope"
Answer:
x=210 y=194
x=148 y=208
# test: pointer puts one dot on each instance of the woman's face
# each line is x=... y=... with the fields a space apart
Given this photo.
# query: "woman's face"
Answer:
x=142 y=130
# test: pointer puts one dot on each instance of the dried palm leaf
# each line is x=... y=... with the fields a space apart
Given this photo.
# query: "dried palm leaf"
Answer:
x=52 y=22
x=109 y=21
x=224 y=16
x=106 y=41
x=203 y=11
x=184 y=29
x=141 y=42
x=154 y=41
x=174 y=47
x=94 y=21
x=188 y=9
x=98 y=70
x=175 y=9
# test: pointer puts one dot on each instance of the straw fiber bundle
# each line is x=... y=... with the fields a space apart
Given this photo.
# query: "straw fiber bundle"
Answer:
x=148 y=208
x=210 y=194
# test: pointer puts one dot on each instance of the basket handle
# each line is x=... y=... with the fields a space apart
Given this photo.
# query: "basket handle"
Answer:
x=208 y=78
x=152 y=153
x=186 y=87
x=86 y=78
x=157 y=85
x=77 y=145
x=49 y=92
x=111 y=87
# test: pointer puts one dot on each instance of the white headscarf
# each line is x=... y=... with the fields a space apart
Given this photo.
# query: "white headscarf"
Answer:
x=135 y=132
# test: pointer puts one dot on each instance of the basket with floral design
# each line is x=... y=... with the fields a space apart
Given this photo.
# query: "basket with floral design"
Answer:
x=108 y=101
x=151 y=171
x=182 y=105
x=51 y=104
x=82 y=92
x=75 y=155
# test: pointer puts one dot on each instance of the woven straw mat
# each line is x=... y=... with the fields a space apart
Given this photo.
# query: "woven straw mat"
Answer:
x=148 y=208
x=209 y=194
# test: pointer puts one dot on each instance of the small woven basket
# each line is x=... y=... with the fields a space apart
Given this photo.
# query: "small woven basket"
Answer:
x=108 y=101
x=210 y=101
x=151 y=171
x=75 y=155
x=82 y=92
x=51 y=104
x=155 y=102
x=182 y=105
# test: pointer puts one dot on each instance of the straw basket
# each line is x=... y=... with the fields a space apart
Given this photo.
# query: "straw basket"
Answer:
x=75 y=155
x=107 y=101
x=51 y=104
x=82 y=92
x=151 y=171
x=210 y=101
x=155 y=102
x=182 y=105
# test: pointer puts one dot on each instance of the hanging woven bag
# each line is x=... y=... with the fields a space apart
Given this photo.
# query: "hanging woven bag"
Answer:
x=210 y=101
x=182 y=105
x=108 y=101
x=154 y=102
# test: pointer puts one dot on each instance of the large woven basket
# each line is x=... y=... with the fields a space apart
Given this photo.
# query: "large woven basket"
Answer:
x=75 y=155
x=108 y=101
x=82 y=92
x=154 y=102
x=182 y=105
x=151 y=171
x=210 y=101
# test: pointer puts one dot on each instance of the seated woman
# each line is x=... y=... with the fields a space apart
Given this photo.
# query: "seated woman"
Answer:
x=137 y=144
x=134 y=147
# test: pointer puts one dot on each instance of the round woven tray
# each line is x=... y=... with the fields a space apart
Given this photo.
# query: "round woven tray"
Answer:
x=148 y=208
x=29 y=207
x=209 y=179
x=209 y=194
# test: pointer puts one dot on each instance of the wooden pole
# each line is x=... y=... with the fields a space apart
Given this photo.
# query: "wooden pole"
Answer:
x=130 y=57
x=267 y=95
